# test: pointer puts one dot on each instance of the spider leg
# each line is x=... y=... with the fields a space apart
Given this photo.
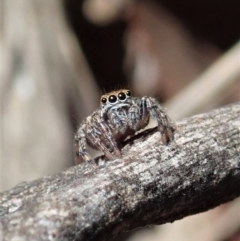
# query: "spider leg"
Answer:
x=80 y=139
x=98 y=140
x=107 y=134
x=118 y=120
x=134 y=117
x=158 y=113
x=103 y=136
x=144 y=111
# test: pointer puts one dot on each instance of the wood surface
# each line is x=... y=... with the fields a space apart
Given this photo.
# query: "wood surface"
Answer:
x=151 y=184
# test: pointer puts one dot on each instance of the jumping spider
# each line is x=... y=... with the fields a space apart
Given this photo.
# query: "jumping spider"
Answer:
x=119 y=116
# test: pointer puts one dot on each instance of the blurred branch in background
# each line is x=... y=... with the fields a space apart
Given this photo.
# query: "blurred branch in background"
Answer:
x=162 y=56
x=208 y=89
x=44 y=74
x=104 y=12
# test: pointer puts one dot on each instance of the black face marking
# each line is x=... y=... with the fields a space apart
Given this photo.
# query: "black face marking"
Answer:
x=104 y=100
x=128 y=93
x=112 y=98
x=121 y=96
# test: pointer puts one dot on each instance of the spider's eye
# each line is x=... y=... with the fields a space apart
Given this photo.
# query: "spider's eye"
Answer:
x=112 y=98
x=121 y=96
x=104 y=100
x=128 y=93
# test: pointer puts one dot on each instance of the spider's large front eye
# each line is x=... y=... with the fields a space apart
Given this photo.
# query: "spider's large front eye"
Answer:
x=112 y=98
x=104 y=100
x=121 y=96
x=128 y=93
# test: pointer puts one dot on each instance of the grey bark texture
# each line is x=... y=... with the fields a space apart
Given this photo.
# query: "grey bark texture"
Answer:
x=151 y=184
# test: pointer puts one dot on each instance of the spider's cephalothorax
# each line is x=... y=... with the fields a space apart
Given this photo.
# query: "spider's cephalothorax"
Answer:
x=119 y=116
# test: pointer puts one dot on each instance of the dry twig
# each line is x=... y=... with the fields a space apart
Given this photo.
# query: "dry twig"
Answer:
x=151 y=184
x=43 y=74
x=215 y=83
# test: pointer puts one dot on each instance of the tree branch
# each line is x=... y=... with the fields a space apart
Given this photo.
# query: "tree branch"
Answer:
x=216 y=81
x=151 y=184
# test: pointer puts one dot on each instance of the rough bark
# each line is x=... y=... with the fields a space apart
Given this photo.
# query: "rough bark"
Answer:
x=151 y=184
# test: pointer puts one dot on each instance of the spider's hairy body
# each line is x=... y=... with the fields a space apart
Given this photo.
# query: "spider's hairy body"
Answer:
x=119 y=116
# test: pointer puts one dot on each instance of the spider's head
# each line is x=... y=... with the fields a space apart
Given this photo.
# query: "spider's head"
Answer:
x=114 y=98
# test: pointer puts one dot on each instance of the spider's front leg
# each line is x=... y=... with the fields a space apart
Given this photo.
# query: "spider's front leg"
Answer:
x=92 y=135
x=107 y=136
x=100 y=136
x=135 y=120
x=81 y=152
x=151 y=105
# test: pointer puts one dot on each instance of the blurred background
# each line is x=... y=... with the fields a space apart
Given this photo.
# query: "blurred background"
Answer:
x=58 y=57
